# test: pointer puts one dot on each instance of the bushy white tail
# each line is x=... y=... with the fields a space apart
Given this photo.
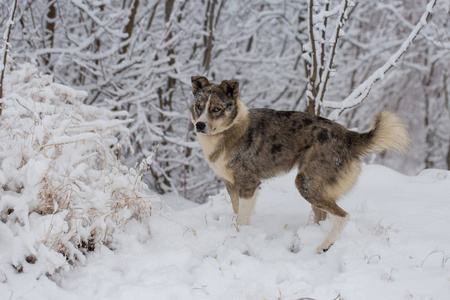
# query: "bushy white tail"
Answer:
x=387 y=132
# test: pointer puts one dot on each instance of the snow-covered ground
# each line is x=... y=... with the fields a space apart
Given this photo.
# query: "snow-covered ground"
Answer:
x=77 y=224
x=395 y=246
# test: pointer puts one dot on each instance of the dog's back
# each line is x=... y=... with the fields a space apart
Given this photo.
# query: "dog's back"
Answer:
x=277 y=141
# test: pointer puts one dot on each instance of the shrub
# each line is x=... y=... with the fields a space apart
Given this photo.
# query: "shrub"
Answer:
x=63 y=190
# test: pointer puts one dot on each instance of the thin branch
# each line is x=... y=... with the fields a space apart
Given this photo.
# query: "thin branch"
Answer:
x=6 y=38
x=334 y=40
x=312 y=73
x=363 y=90
x=98 y=21
x=322 y=42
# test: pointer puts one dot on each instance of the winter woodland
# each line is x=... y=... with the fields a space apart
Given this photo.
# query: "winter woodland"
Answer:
x=95 y=95
x=317 y=56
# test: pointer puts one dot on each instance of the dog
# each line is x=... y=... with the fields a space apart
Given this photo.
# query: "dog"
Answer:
x=247 y=146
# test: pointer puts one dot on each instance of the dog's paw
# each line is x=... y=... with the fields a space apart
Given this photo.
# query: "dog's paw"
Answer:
x=324 y=247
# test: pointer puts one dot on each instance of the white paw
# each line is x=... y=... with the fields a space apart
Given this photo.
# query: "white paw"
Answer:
x=324 y=247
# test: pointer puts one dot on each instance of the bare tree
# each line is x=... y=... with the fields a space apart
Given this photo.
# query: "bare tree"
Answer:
x=138 y=56
x=320 y=64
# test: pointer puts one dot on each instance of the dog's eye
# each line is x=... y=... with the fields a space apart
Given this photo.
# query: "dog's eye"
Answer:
x=199 y=107
x=216 y=109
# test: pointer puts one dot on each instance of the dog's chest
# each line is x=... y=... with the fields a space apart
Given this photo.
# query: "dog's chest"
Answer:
x=210 y=144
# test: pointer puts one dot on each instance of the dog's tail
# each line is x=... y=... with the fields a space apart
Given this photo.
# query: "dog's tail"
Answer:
x=386 y=132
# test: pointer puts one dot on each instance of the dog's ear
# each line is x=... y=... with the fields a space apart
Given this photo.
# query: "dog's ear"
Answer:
x=199 y=82
x=230 y=88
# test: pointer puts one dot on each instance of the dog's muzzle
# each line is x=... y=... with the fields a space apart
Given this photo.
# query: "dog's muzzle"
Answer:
x=200 y=127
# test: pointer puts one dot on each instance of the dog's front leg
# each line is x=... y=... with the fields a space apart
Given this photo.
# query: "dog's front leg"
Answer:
x=246 y=206
x=234 y=195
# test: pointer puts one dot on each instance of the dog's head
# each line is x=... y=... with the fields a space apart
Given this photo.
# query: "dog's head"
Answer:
x=215 y=106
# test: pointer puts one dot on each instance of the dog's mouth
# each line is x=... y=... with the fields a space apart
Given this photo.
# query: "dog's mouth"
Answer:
x=201 y=132
x=202 y=128
x=204 y=132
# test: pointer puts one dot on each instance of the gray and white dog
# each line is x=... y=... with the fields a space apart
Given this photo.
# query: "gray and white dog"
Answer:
x=246 y=146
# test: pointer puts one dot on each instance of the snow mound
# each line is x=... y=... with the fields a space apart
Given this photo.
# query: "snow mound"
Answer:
x=63 y=192
x=395 y=246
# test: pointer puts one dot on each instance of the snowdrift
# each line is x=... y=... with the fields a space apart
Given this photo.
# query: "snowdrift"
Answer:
x=395 y=246
x=63 y=192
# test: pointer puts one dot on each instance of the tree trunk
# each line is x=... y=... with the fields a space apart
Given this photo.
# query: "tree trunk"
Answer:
x=50 y=21
x=130 y=26
x=209 y=27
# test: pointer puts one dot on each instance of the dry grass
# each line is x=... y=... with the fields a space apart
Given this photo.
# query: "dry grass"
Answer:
x=61 y=171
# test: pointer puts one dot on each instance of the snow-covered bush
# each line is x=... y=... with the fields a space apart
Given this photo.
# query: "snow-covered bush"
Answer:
x=63 y=192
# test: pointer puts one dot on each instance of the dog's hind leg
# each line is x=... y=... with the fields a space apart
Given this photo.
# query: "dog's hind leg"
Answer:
x=340 y=219
x=319 y=215
x=313 y=189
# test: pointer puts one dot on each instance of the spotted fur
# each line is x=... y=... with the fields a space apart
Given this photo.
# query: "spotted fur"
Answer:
x=246 y=147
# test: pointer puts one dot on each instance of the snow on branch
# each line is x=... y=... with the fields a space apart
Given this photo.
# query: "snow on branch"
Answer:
x=63 y=190
x=4 y=50
x=319 y=62
x=328 y=67
x=363 y=90
x=99 y=22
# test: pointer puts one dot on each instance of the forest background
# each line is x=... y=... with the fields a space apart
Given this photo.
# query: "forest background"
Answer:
x=337 y=59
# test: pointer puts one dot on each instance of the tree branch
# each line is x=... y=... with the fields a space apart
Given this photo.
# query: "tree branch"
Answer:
x=326 y=75
x=312 y=73
x=363 y=90
x=6 y=38
x=130 y=26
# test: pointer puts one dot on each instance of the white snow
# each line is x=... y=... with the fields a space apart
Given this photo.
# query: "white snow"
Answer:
x=395 y=246
x=63 y=192
x=76 y=224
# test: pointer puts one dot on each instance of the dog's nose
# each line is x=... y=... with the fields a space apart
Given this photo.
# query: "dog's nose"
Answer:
x=200 y=126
